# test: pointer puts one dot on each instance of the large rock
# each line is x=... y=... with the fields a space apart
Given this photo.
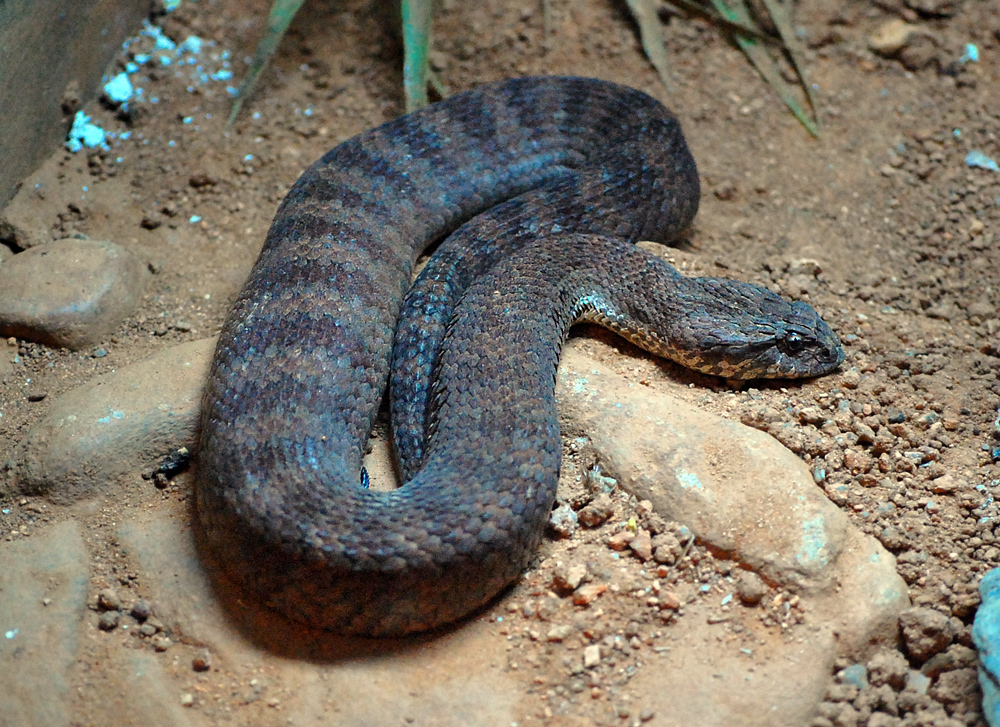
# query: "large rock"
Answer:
x=740 y=491
x=43 y=597
x=442 y=681
x=119 y=423
x=69 y=293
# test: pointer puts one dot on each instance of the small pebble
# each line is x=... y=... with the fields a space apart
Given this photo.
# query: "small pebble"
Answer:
x=620 y=540
x=559 y=633
x=141 y=610
x=108 y=621
x=925 y=632
x=851 y=378
x=591 y=656
x=187 y=699
x=944 y=485
x=891 y=37
x=669 y=600
x=108 y=600
x=585 y=595
x=855 y=675
x=750 y=587
x=890 y=667
x=642 y=545
x=598 y=511
x=569 y=579
x=563 y=521
x=892 y=538
x=202 y=661
x=161 y=643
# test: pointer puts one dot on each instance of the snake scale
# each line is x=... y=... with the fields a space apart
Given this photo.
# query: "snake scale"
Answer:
x=540 y=186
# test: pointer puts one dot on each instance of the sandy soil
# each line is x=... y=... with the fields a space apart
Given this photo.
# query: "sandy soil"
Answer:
x=901 y=231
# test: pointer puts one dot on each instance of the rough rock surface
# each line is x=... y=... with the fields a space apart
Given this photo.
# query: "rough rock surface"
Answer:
x=115 y=424
x=43 y=596
x=739 y=490
x=455 y=678
x=69 y=293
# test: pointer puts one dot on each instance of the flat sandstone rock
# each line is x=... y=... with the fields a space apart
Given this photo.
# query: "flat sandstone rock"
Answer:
x=736 y=488
x=69 y=293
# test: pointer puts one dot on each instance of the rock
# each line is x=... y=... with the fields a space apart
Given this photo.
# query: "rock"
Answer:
x=118 y=423
x=642 y=544
x=775 y=521
x=891 y=37
x=953 y=687
x=945 y=485
x=750 y=587
x=598 y=511
x=954 y=657
x=108 y=600
x=563 y=521
x=925 y=632
x=455 y=678
x=805 y=266
x=986 y=637
x=558 y=633
x=934 y=8
x=591 y=656
x=202 y=661
x=141 y=610
x=567 y=580
x=620 y=540
x=586 y=595
x=108 y=620
x=739 y=491
x=8 y=354
x=888 y=667
x=854 y=675
x=41 y=642
x=69 y=293
x=922 y=51
x=666 y=548
x=669 y=600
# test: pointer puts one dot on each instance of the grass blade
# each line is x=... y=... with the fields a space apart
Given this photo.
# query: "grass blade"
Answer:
x=764 y=64
x=416 y=45
x=792 y=44
x=651 y=35
x=278 y=20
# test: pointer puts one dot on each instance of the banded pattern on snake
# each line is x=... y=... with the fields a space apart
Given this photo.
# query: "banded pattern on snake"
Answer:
x=542 y=185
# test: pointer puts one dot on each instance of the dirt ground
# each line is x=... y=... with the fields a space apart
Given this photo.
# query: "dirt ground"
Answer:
x=880 y=224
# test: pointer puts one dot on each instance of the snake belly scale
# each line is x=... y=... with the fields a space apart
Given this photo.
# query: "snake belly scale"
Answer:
x=303 y=358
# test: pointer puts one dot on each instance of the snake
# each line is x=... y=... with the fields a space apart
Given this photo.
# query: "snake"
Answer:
x=534 y=191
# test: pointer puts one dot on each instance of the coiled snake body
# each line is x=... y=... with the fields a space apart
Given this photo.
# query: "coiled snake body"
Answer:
x=567 y=173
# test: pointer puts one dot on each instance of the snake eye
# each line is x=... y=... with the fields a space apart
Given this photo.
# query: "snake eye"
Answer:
x=792 y=344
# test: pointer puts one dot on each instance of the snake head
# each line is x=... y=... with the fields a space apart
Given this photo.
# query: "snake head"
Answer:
x=744 y=331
